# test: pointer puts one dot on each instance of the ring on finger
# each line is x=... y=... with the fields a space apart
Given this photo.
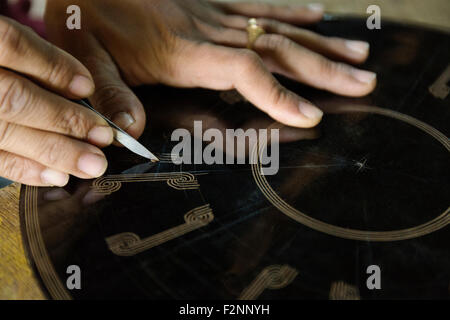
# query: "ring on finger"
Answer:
x=254 y=32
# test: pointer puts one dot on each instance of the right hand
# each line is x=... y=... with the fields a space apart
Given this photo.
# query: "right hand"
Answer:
x=44 y=137
x=198 y=43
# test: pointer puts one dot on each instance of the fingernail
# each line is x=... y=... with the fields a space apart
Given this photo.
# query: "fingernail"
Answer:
x=310 y=111
x=93 y=165
x=316 y=7
x=81 y=86
x=101 y=135
x=54 y=178
x=56 y=195
x=361 y=47
x=363 y=76
x=124 y=120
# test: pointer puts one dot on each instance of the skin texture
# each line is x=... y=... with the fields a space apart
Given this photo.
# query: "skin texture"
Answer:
x=194 y=43
x=44 y=137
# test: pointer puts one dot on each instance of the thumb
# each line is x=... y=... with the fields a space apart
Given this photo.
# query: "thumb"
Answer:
x=112 y=97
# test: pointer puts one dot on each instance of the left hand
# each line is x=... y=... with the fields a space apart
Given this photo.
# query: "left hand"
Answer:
x=197 y=43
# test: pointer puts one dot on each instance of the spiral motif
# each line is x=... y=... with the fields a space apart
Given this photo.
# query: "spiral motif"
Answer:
x=179 y=181
x=122 y=244
x=185 y=181
x=273 y=277
x=278 y=277
x=106 y=186
x=343 y=291
x=202 y=215
x=129 y=244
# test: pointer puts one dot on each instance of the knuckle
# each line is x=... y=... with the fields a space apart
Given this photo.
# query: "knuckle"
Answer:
x=5 y=133
x=277 y=96
x=13 y=168
x=327 y=67
x=14 y=97
x=11 y=39
x=248 y=61
x=52 y=152
x=333 y=70
x=59 y=72
x=275 y=42
x=73 y=123
x=171 y=57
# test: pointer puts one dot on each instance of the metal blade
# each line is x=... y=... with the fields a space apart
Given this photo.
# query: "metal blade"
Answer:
x=132 y=144
x=124 y=138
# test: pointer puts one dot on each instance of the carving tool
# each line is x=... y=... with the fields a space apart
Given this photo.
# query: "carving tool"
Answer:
x=122 y=137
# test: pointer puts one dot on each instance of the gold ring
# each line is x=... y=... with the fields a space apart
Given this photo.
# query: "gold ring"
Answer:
x=254 y=32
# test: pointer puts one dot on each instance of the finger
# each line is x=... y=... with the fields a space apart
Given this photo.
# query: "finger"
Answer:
x=226 y=36
x=53 y=150
x=288 y=58
x=297 y=14
x=25 y=52
x=112 y=96
x=287 y=134
x=223 y=68
x=331 y=47
x=29 y=172
x=115 y=99
x=22 y=102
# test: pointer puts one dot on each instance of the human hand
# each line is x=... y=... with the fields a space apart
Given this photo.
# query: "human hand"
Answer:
x=43 y=136
x=196 y=43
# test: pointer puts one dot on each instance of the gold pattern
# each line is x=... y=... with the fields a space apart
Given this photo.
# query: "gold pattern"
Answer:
x=38 y=249
x=343 y=291
x=179 y=180
x=437 y=223
x=254 y=32
x=129 y=244
x=168 y=158
x=274 y=277
x=17 y=279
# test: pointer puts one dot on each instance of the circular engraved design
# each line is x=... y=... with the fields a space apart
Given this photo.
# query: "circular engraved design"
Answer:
x=273 y=277
x=437 y=223
x=123 y=244
x=343 y=291
x=106 y=186
x=278 y=277
x=202 y=215
x=185 y=181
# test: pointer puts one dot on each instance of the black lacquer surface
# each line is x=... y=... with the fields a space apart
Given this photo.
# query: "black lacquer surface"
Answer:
x=358 y=171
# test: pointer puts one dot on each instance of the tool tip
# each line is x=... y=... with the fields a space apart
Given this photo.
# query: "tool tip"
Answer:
x=153 y=158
